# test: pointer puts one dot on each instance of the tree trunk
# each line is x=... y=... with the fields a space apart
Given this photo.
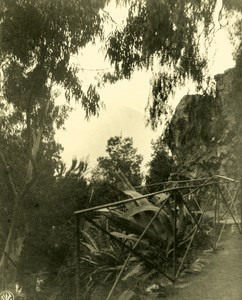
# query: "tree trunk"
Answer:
x=10 y=255
x=14 y=242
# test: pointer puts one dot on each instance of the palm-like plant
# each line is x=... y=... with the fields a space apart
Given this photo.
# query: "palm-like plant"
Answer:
x=144 y=231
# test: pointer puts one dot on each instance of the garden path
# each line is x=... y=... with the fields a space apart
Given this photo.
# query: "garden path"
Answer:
x=220 y=278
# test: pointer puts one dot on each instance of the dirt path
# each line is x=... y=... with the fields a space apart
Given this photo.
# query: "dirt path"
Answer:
x=220 y=278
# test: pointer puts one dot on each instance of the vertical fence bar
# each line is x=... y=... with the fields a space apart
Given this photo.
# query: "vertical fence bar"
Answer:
x=3 y=272
x=216 y=218
x=77 y=257
x=228 y=208
x=175 y=241
x=215 y=224
x=133 y=248
x=240 y=187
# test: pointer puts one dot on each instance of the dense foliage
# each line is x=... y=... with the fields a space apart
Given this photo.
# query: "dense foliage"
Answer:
x=168 y=35
x=122 y=158
x=38 y=39
x=235 y=91
x=37 y=196
x=47 y=262
x=160 y=167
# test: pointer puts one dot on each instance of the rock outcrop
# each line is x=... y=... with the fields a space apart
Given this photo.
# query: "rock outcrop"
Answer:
x=202 y=134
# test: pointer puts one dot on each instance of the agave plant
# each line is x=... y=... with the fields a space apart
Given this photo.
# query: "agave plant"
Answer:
x=145 y=227
x=139 y=213
x=155 y=220
x=97 y=265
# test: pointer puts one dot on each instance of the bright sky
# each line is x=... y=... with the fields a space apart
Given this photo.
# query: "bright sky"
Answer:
x=125 y=104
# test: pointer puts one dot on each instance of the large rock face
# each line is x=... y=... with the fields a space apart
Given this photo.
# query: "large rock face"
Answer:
x=202 y=133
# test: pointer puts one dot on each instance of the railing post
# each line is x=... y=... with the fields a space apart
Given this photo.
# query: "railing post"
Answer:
x=216 y=215
x=3 y=272
x=175 y=241
x=240 y=186
x=215 y=224
x=77 y=257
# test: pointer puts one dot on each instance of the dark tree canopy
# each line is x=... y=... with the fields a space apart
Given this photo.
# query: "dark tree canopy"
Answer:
x=48 y=246
x=122 y=159
x=38 y=39
x=160 y=166
x=122 y=156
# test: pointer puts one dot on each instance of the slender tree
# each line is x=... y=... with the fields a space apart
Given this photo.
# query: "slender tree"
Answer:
x=38 y=39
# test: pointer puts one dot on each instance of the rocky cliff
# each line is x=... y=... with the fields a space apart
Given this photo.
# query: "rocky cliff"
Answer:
x=202 y=134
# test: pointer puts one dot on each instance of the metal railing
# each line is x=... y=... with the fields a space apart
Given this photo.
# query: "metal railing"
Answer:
x=216 y=196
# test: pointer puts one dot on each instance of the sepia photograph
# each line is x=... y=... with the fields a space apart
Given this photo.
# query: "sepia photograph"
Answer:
x=120 y=149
